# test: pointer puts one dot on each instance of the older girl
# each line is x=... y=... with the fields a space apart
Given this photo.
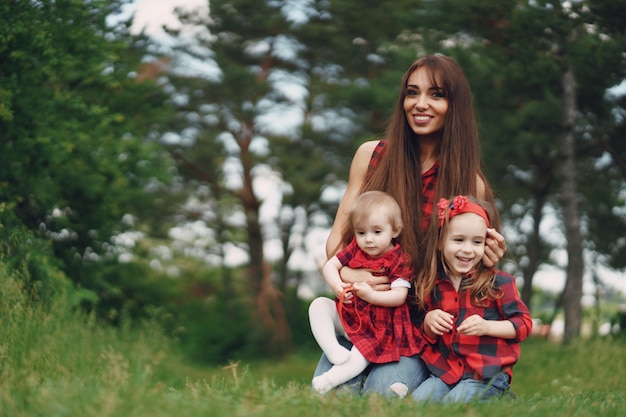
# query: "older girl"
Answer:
x=475 y=318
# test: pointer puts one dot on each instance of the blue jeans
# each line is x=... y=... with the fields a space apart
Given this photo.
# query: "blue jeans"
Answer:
x=466 y=390
x=393 y=379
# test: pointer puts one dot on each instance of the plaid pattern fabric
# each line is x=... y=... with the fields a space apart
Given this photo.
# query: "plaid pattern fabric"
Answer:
x=453 y=356
x=396 y=263
x=381 y=334
x=429 y=182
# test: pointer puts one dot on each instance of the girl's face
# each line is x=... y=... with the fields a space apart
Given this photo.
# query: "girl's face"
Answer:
x=464 y=243
x=374 y=235
x=425 y=106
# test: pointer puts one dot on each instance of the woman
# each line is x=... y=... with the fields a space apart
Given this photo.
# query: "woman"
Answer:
x=431 y=150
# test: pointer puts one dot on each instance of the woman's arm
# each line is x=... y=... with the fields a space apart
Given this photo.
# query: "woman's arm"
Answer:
x=358 y=171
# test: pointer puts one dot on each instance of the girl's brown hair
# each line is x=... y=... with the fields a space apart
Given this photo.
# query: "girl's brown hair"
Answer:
x=480 y=281
x=399 y=170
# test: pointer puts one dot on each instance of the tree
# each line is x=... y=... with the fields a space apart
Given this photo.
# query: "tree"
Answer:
x=257 y=49
x=74 y=166
x=248 y=42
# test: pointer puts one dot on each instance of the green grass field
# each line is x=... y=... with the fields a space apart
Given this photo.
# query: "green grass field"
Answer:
x=54 y=363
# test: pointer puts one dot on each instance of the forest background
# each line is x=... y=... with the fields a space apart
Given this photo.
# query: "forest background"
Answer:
x=131 y=173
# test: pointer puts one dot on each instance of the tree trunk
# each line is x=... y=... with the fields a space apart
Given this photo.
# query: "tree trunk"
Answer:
x=269 y=311
x=572 y=292
x=251 y=208
x=534 y=252
x=541 y=190
x=285 y=223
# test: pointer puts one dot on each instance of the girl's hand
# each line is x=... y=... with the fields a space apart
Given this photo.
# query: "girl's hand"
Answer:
x=347 y=297
x=438 y=322
x=479 y=326
x=474 y=326
x=495 y=246
x=362 y=289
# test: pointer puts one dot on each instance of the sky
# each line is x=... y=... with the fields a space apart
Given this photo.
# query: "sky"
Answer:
x=151 y=15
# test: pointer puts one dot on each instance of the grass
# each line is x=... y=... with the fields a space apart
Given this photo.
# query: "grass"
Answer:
x=56 y=363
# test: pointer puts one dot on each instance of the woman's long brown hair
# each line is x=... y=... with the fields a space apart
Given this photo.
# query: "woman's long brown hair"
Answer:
x=399 y=170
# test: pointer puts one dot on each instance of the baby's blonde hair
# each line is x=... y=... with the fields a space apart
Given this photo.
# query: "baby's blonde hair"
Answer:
x=377 y=202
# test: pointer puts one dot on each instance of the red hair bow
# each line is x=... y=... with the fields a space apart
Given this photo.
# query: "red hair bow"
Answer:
x=460 y=204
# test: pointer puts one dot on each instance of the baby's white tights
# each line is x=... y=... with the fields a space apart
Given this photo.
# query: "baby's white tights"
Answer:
x=326 y=325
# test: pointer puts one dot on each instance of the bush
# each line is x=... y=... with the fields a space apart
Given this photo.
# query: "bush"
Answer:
x=215 y=330
x=42 y=274
x=54 y=358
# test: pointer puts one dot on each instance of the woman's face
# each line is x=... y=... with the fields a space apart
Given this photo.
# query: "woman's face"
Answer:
x=425 y=105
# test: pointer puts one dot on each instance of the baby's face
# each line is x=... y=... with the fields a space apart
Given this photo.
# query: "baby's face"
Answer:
x=375 y=235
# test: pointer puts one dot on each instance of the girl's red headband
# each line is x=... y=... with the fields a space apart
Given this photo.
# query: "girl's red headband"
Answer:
x=460 y=204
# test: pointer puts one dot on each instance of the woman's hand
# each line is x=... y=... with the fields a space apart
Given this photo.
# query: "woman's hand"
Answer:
x=367 y=276
x=495 y=246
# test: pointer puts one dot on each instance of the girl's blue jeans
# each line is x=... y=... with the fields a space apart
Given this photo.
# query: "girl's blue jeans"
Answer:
x=388 y=379
x=435 y=390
